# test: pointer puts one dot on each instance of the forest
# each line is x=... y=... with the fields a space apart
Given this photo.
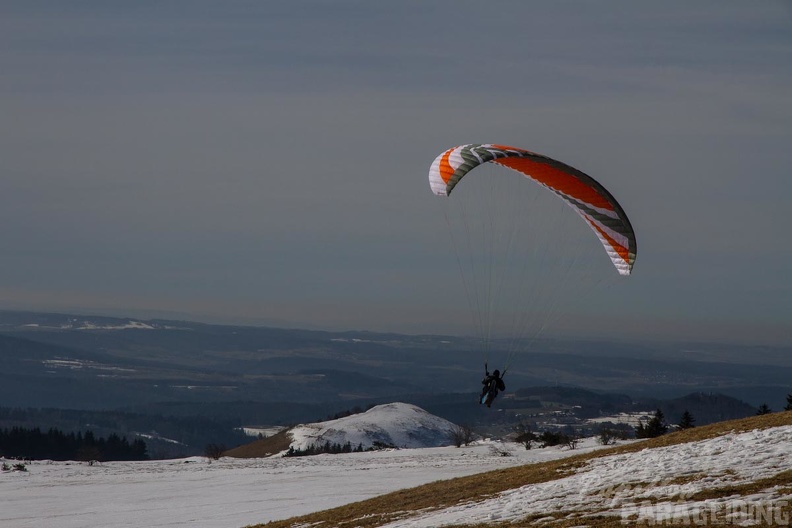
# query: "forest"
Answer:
x=34 y=444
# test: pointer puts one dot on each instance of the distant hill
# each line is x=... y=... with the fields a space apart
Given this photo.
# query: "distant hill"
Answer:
x=706 y=408
x=394 y=424
x=390 y=425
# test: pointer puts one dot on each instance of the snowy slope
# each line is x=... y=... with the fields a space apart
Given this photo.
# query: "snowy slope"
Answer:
x=653 y=486
x=393 y=424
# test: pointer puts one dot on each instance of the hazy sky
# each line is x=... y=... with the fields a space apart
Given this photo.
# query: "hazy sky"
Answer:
x=267 y=161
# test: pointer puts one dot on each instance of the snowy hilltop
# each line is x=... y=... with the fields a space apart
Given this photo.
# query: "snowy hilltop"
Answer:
x=393 y=424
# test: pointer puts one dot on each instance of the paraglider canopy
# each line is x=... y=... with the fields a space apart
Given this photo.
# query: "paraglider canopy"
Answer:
x=581 y=192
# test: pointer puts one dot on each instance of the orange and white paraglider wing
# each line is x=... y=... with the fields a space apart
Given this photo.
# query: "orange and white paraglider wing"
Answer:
x=584 y=194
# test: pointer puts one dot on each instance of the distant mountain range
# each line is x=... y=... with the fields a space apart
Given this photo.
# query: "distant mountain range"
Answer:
x=95 y=362
x=245 y=376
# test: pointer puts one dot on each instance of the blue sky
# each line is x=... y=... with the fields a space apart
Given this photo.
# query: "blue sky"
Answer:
x=266 y=162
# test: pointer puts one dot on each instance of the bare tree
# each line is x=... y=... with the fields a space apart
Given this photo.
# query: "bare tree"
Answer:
x=524 y=435
x=214 y=451
x=607 y=436
x=462 y=435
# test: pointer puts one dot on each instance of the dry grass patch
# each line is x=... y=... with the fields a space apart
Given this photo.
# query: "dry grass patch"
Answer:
x=599 y=520
x=782 y=479
x=437 y=495
x=685 y=479
x=262 y=447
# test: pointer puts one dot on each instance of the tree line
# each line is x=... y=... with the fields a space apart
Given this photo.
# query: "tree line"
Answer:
x=657 y=425
x=188 y=433
x=34 y=444
x=335 y=448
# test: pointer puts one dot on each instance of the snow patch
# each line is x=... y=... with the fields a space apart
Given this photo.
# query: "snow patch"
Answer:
x=263 y=431
x=631 y=418
x=131 y=325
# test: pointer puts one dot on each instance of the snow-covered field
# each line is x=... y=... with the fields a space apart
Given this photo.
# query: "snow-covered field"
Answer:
x=233 y=492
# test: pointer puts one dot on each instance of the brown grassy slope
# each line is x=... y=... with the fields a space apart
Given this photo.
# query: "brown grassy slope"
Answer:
x=382 y=509
x=263 y=447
